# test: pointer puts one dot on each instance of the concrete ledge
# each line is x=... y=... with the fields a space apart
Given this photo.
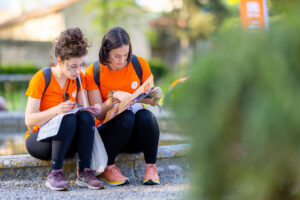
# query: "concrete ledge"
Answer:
x=171 y=160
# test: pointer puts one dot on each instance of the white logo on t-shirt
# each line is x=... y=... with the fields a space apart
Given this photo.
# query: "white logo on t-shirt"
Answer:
x=74 y=94
x=134 y=85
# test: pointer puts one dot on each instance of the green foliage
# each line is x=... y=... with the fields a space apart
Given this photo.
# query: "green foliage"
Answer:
x=14 y=95
x=195 y=20
x=158 y=68
x=154 y=38
x=231 y=23
x=18 y=69
x=110 y=13
x=241 y=108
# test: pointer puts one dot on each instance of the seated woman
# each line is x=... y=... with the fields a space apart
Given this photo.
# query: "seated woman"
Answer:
x=58 y=96
x=128 y=132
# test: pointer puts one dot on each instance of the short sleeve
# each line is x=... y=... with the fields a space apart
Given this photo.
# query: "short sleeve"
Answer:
x=89 y=79
x=145 y=67
x=36 y=86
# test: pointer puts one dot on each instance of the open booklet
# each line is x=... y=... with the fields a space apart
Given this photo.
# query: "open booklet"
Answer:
x=142 y=92
x=50 y=128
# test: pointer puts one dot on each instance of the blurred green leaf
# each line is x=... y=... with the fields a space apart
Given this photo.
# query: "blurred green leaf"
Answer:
x=241 y=107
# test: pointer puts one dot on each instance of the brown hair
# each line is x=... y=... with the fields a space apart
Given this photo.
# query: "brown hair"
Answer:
x=71 y=43
x=114 y=38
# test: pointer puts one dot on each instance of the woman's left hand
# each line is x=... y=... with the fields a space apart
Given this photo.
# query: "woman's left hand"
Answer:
x=156 y=93
x=94 y=110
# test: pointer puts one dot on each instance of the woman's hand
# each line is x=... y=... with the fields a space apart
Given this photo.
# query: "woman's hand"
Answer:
x=64 y=107
x=94 y=110
x=120 y=95
x=156 y=93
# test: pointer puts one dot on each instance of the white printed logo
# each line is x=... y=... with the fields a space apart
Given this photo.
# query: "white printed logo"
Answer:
x=74 y=94
x=134 y=85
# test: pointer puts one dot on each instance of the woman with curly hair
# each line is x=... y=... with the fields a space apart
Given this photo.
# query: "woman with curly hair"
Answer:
x=58 y=96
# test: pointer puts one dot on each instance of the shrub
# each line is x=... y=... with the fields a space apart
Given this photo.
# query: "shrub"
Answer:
x=241 y=108
x=18 y=69
x=158 y=68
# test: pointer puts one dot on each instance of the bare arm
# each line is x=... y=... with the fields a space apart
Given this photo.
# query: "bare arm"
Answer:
x=79 y=98
x=94 y=97
x=33 y=117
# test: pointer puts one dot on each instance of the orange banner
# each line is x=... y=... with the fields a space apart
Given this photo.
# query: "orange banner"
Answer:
x=254 y=14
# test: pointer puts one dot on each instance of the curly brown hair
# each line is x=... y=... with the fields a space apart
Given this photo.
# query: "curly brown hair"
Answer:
x=71 y=43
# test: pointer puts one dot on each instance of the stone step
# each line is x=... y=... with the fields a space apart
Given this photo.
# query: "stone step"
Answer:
x=171 y=164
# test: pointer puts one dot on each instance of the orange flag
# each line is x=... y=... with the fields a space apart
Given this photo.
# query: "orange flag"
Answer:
x=254 y=14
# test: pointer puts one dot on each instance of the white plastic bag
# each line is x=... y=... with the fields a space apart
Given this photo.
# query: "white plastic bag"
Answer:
x=99 y=156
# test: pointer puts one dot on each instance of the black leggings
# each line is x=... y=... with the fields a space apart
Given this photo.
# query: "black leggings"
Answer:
x=131 y=133
x=76 y=134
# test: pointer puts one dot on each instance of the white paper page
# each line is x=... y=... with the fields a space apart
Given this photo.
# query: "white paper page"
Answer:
x=51 y=127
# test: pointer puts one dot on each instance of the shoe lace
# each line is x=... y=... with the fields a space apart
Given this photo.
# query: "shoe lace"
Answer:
x=152 y=169
x=58 y=175
x=89 y=174
x=115 y=169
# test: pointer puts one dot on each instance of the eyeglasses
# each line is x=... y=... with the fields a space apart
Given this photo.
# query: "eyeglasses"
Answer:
x=66 y=94
x=73 y=67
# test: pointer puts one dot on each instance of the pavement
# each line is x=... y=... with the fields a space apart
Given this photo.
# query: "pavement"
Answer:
x=23 y=177
x=36 y=190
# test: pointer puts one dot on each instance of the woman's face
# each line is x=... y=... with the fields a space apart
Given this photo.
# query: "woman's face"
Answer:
x=72 y=67
x=118 y=57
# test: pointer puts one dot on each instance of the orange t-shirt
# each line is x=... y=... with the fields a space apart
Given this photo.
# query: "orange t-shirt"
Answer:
x=54 y=94
x=125 y=79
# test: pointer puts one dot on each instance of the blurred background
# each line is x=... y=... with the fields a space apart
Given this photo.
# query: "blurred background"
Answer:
x=229 y=71
x=165 y=32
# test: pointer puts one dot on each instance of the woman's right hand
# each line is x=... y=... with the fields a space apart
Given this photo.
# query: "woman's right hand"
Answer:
x=121 y=95
x=94 y=110
x=64 y=107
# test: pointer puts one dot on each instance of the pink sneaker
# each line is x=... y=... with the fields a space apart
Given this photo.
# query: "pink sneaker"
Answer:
x=55 y=180
x=151 y=176
x=89 y=180
x=113 y=176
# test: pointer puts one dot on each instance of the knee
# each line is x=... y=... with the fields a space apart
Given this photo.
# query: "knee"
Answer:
x=147 y=121
x=145 y=117
x=68 y=127
x=84 y=117
x=126 y=121
x=69 y=120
